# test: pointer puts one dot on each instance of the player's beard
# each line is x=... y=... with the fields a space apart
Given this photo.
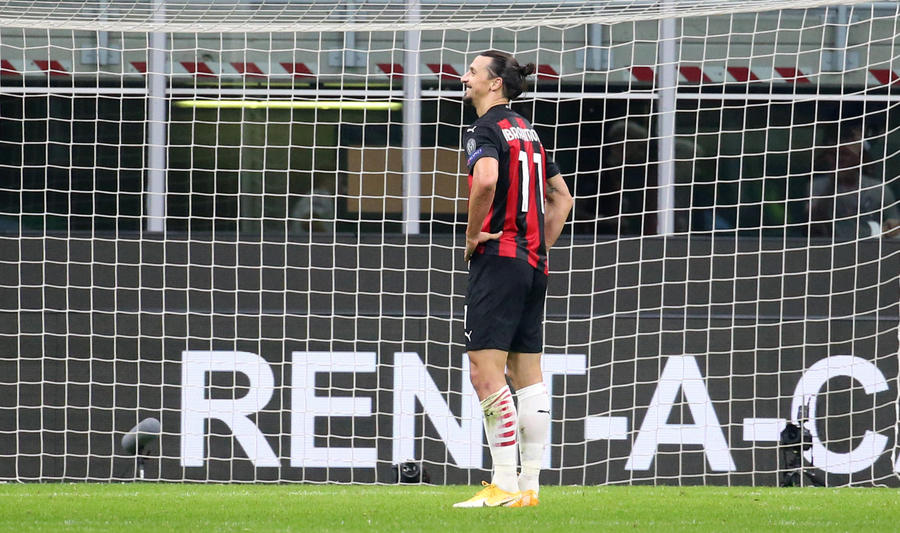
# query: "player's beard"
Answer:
x=467 y=97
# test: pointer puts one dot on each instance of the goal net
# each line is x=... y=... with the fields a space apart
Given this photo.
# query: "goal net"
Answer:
x=231 y=239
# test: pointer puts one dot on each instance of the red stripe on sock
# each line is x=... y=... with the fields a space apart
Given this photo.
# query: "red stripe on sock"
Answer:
x=507 y=443
x=509 y=424
x=495 y=400
x=506 y=435
x=502 y=397
x=507 y=415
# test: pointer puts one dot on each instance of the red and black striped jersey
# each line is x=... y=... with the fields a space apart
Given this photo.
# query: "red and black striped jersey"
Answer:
x=524 y=167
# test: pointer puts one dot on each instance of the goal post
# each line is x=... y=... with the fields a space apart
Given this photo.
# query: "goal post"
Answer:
x=231 y=250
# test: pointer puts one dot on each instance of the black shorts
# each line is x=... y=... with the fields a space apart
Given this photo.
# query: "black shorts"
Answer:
x=505 y=305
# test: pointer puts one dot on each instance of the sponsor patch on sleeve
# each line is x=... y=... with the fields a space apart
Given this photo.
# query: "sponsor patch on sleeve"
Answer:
x=474 y=156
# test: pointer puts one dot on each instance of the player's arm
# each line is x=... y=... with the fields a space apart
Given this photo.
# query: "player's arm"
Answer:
x=557 y=206
x=481 y=196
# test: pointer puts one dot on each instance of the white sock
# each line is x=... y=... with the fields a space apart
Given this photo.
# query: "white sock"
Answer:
x=500 y=426
x=534 y=430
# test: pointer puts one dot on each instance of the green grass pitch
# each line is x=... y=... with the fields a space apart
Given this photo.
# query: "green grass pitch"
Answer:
x=213 y=508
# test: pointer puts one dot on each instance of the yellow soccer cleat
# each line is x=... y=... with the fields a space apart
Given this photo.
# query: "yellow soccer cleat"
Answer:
x=489 y=496
x=527 y=498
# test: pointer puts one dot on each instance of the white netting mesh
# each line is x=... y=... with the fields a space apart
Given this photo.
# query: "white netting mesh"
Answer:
x=315 y=16
x=244 y=220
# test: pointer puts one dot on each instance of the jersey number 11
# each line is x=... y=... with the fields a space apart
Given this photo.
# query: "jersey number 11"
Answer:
x=526 y=178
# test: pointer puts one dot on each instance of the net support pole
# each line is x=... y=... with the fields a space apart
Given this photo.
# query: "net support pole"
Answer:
x=156 y=125
x=103 y=37
x=666 y=80
x=841 y=33
x=596 y=58
x=412 y=119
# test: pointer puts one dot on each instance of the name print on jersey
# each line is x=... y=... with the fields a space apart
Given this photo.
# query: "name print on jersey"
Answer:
x=524 y=134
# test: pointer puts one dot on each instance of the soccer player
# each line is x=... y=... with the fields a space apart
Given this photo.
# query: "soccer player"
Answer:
x=518 y=203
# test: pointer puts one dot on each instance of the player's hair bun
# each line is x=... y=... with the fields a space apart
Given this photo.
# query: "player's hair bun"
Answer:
x=505 y=66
